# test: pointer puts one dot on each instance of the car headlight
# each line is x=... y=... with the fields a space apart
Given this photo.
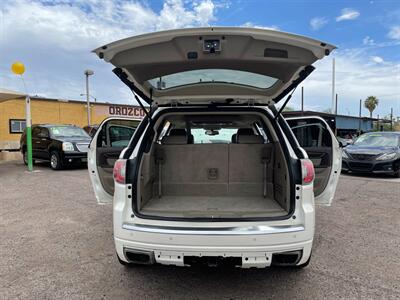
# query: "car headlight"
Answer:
x=67 y=146
x=387 y=156
x=344 y=154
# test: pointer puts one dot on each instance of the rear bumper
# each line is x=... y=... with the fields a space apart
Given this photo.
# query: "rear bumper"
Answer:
x=377 y=167
x=250 y=256
x=253 y=246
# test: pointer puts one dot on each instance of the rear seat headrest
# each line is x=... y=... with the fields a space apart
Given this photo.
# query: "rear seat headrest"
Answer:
x=177 y=131
x=245 y=131
x=250 y=139
x=177 y=136
x=247 y=136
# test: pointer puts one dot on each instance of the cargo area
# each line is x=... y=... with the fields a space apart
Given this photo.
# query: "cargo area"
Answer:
x=214 y=167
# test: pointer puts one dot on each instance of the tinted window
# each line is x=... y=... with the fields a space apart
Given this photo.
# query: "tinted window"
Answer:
x=35 y=132
x=311 y=134
x=120 y=135
x=213 y=76
x=44 y=133
x=116 y=133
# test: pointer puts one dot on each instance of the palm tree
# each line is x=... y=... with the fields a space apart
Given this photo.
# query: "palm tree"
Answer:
x=371 y=103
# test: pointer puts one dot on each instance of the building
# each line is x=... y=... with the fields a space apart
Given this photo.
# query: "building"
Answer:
x=342 y=124
x=44 y=110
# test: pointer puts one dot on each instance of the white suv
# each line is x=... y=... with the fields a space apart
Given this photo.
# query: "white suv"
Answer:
x=214 y=173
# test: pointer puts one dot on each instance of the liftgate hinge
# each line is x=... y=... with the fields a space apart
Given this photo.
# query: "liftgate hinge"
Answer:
x=250 y=102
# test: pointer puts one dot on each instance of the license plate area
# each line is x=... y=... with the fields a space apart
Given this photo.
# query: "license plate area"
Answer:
x=242 y=260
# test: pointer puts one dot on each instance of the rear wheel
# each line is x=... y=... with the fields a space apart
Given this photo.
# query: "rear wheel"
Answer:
x=55 y=161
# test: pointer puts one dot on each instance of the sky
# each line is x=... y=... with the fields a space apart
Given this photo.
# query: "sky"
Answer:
x=54 y=40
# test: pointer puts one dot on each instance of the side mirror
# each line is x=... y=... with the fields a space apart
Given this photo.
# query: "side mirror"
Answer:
x=341 y=144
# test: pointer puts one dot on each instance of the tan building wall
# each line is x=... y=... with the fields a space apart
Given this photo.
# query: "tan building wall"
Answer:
x=58 y=112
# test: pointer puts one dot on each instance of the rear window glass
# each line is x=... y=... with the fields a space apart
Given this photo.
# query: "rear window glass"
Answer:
x=213 y=136
x=213 y=76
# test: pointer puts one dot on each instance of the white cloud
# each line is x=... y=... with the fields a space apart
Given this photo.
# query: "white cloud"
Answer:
x=377 y=59
x=348 y=14
x=368 y=41
x=54 y=40
x=356 y=78
x=252 y=25
x=70 y=26
x=318 y=22
x=394 y=33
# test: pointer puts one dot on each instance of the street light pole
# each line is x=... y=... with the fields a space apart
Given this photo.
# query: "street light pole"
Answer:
x=87 y=74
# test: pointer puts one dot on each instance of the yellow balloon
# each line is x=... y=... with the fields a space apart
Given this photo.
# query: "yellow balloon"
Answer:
x=18 y=68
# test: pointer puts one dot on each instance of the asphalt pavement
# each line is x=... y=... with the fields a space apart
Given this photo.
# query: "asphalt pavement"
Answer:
x=56 y=243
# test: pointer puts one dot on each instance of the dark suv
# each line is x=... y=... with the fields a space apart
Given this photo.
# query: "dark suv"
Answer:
x=59 y=144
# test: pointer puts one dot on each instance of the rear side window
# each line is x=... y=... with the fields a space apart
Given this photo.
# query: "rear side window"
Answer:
x=116 y=133
x=311 y=134
x=35 y=132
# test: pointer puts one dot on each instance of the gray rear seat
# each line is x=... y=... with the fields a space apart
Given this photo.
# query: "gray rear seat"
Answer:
x=214 y=169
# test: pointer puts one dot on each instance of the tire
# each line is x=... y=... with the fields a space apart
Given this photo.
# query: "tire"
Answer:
x=397 y=174
x=55 y=161
x=25 y=158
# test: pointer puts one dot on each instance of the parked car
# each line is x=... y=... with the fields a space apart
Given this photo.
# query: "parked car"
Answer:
x=91 y=129
x=59 y=144
x=214 y=173
x=374 y=152
x=344 y=141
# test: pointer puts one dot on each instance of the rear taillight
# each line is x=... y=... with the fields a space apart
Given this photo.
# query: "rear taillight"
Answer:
x=119 y=171
x=307 y=171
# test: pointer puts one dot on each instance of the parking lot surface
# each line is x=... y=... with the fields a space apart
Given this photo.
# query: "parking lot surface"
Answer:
x=56 y=243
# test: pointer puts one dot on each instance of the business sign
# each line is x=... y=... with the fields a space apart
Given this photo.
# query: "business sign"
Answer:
x=120 y=111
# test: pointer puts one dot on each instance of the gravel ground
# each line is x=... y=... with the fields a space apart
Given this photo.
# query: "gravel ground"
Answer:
x=56 y=242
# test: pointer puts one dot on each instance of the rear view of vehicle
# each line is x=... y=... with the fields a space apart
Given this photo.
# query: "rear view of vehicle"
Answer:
x=214 y=173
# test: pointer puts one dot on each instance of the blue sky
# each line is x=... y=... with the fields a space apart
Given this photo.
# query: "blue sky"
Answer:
x=54 y=40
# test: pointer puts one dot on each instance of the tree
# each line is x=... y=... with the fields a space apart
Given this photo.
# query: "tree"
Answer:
x=371 y=103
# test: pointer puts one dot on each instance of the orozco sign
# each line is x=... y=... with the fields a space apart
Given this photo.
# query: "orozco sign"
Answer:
x=120 y=110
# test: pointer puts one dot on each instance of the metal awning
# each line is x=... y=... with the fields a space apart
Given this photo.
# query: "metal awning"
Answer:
x=9 y=95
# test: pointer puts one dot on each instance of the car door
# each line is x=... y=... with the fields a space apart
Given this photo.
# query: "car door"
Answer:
x=318 y=140
x=43 y=141
x=36 y=142
x=112 y=136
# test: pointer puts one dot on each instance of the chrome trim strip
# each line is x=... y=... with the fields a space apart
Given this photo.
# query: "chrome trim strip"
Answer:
x=245 y=230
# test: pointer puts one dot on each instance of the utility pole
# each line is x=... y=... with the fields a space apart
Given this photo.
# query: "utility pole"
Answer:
x=391 y=119
x=302 y=98
x=377 y=124
x=336 y=105
x=359 y=119
x=87 y=74
x=333 y=86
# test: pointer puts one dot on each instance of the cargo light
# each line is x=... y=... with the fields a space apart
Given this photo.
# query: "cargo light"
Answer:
x=307 y=171
x=119 y=171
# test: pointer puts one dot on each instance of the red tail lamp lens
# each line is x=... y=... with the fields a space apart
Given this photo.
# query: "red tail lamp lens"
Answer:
x=307 y=171
x=119 y=170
